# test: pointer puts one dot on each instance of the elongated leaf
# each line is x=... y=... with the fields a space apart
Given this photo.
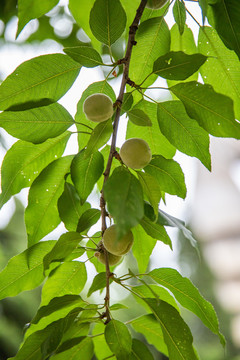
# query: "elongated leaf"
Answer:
x=224 y=15
x=46 y=76
x=84 y=55
x=63 y=247
x=75 y=349
x=124 y=197
x=107 y=20
x=127 y=102
x=70 y=208
x=179 y=13
x=87 y=219
x=24 y=271
x=213 y=111
x=204 y=5
x=143 y=246
x=40 y=215
x=151 y=134
x=38 y=124
x=82 y=121
x=32 y=9
x=101 y=348
x=85 y=172
x=138 y=117
x=99 y=282
x=184 y=42
x=100 y=135
x=150 y=188
x=169 y=175
x=222 y=68
x=183 y=132
x=176 y=333
x=24 y=161
x=68 y=278
x=153 y=40
x=188 y=296
x=140 y=351
x=151 y=329
x=118 y=339
x=176 y=65
x=57 y=304
x=156 y=231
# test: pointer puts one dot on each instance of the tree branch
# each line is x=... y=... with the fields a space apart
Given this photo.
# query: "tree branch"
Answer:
x=126 y=62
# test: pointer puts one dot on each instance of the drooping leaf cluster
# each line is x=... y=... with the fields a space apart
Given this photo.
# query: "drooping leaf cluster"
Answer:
x=202 y=84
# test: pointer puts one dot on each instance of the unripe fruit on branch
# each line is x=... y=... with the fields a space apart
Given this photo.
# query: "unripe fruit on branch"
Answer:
x=135 y=153
x=156 y=4
x=98 y=107
x=112 y=259
x=117 y=246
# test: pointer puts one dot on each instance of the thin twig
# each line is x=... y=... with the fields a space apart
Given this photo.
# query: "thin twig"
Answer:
x=131 y=42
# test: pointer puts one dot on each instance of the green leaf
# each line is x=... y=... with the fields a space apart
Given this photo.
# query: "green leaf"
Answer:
x=100 y=135
x=99 y=282
x=184 y=42
x=63 y=247
x=127 y=102
x=143 y=246
x=84 y=350
x=213 y=111
x=84 y=55
x=40 y=215
x=179 y=13
x=151 y=134
x=153 y=291
x=38 y=124
x=115 y=307
x=68 y=278
x=176 y=333
x=222 y=68
x=32 y=9
x=156 y=231
x=107 y=20
x=224 y=15
x=56 y=304
x=80 y=117
x=87 y=219
x=118 y=339
x=176 y=65
x=101 y=348
x=183 y=132
x=150 y=188
x=85 y=172
x=24 y=161
x=24 y=271
x=138 y=117
x=140 y=351
x=124 y=197
x=169 y=175
x=153 y=40
x=70 y=208
x=188 y=296
x=46 y=76
x=204 y=6
x=151 y=329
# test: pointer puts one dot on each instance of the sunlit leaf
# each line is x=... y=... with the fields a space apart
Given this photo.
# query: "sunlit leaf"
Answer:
x=188 y=296
x=179 y=13
x=156 y=231
x=84 y=55
x=24 y=271
x=143 y=246
x=99 y=282
x=150 y=188
x=87 y=219
x=100 y=135
x=169 y=175
x=213 y=111
x=124 y=197
x=107 y=20
x=75 y=349
x=183 y=132
x=24 y=161
x=138 y=117
x=46 y=76
x=41 y=216
x=118 y=339
x=38 y=124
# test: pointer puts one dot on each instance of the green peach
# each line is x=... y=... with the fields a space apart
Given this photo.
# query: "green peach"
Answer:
x=112 y=259
x=117 y=246
x=135 y=153
x=98 y=107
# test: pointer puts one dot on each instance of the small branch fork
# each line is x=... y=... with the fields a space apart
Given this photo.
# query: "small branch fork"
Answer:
x=118 y=104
